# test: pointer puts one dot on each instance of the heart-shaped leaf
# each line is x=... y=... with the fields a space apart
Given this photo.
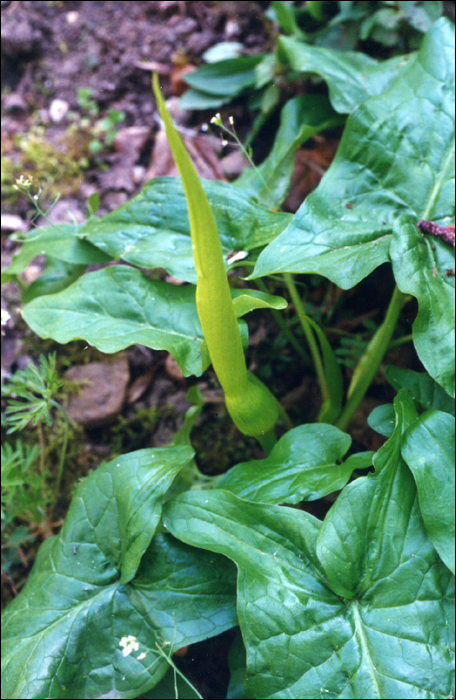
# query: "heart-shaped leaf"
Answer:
x=115 y=307
x=62 y=633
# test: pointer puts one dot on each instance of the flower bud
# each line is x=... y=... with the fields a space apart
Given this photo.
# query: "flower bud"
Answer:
x=255 y=411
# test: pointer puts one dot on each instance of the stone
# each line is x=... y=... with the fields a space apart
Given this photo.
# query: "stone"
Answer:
x=58 y=110
x=103 y=391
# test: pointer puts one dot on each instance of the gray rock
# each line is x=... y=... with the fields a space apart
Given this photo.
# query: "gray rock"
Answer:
x=103 y=390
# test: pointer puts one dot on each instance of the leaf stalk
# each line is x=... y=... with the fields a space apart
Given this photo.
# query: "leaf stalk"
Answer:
x=370 y=360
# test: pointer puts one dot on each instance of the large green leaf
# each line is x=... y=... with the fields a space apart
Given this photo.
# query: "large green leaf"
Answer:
x=428 y=449
x=61 y=634
x=118 y=306
x=152 y=229
x=419 y=267
x=301 y=118
x=305 y=464
x=396 y=157
x=352 y=76
x=58 y=241
x=356 y=607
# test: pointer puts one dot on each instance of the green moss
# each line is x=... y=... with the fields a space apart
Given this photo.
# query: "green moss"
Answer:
x=219 y=445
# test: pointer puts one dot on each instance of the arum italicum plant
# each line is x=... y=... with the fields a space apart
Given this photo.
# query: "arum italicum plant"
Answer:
x=250 y=404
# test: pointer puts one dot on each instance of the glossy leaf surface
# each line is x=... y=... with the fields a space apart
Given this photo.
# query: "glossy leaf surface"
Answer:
x=118 y=306
x=152 y=229
x=396 y=157
x=305 y=464
x=428 y=449
x=383 y=419
x=75 y=597
x=358 y=606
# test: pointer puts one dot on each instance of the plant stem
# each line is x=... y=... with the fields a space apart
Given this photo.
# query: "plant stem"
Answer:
x=267 y=441
x=285 y=417
x=41 y=443
x=370 y=360
x=309 y=336
x=246 y=153
x=288 y=333
x=65 y=443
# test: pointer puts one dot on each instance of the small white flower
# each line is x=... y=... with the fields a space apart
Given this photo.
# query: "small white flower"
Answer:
x=5 y=317
x=204 y=127
x=128 y=645
x=231 y=120
x=141 y=656
x=217 y=120
x=25 y=182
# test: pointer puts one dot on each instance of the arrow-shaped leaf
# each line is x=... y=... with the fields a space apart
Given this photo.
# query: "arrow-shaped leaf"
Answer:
x=369 y=617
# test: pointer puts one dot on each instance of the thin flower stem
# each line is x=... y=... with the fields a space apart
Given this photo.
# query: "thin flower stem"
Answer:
x=370 y=360
x=318 y=364
x=176 y=670
x=243 y=149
